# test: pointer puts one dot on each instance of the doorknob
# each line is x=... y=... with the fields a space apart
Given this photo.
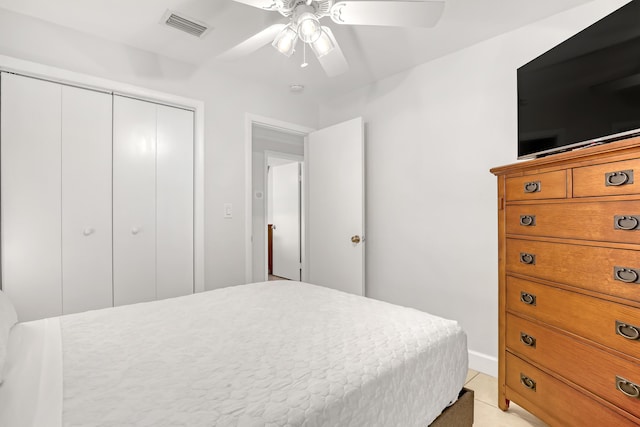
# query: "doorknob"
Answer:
x=355 y=239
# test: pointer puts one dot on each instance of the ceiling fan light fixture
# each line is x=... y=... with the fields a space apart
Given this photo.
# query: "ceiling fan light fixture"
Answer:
x=285 y=41
x=309 y=27
x=323 y=44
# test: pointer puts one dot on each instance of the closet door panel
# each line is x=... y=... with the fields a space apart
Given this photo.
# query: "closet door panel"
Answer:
x=174 y=199
x=134 y=209
x=30 y=196
x=86 y=200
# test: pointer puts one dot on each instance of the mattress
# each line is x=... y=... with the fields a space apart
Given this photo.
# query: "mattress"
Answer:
x=266 y=354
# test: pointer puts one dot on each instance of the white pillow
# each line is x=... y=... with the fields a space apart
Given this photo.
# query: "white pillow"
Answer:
x=8 y=318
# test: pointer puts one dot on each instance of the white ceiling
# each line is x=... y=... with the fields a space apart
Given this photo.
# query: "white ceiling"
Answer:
x=372 y=52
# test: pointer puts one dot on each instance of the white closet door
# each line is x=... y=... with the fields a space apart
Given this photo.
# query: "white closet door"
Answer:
x=30 y=192
x=134 y=209
x=174 y=202
x=86 y=200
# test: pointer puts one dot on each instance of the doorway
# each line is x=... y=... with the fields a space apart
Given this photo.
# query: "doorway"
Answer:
x=332 y=239
x=276 y=164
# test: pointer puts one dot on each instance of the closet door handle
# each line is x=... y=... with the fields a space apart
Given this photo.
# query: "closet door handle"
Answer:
x=88 y=231
x=136 y=230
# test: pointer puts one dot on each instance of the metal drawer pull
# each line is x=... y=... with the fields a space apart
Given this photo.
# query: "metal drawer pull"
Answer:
x=625 y=222
x=528 y=298
x=527 y=382
x=627 y=331
x=532 y=187
x=527 y=340
x=614 y=179
x=627 y=387
x=626 y=275
x=526 y=258
x=527 y=220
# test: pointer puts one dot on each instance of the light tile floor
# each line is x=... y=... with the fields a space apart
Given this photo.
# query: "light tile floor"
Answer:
x=486 y=412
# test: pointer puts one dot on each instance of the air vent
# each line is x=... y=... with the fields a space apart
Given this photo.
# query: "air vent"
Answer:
x=182 y=23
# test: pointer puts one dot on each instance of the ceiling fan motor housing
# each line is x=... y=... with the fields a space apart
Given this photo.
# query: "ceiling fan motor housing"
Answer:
x=319 y=8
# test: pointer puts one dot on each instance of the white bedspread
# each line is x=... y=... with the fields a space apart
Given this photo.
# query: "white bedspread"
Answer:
x=268 y=354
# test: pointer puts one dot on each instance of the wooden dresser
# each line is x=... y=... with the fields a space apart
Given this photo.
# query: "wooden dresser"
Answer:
x=569 y=285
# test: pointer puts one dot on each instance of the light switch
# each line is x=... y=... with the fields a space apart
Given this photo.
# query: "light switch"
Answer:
x=228 y=210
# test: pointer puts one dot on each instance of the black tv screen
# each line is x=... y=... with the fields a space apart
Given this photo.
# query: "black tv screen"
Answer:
x=586 y=90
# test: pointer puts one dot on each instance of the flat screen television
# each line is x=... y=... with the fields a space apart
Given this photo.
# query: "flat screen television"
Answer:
x=584 y=91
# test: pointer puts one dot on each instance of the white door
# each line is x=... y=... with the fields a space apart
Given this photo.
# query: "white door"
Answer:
x=134 y=201
x=174 y=202
x=30 y=192
x=285 y=199
x=86 y=200
x=335 y=239
x=152 y=201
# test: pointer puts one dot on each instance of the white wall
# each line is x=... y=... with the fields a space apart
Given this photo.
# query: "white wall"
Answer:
x=226 y=101
x=432 y=134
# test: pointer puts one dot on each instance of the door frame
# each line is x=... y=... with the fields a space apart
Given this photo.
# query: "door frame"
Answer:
x=283 y=126
x=270 y=154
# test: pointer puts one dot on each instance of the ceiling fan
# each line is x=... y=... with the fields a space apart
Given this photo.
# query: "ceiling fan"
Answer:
x=304 y=25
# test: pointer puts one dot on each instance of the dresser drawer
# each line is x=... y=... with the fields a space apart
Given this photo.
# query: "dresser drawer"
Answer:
x=593 y=318
x=549 y=185
x=554 y=401
x=589 y=267
x=608 y=179
x=580 y=363
x=604 y=221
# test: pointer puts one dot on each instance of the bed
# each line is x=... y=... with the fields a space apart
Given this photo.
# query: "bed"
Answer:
x=276 y=353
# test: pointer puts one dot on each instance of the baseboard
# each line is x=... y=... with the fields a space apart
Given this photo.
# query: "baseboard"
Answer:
x=483 y=363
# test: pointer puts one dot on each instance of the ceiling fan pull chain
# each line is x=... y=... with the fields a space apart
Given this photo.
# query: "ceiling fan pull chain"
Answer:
x=304 y=56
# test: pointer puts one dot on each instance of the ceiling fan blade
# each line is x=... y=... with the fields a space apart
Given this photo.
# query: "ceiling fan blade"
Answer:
x=388 y=13
x=260 y=4
x=334 y=62
x=252 y=44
